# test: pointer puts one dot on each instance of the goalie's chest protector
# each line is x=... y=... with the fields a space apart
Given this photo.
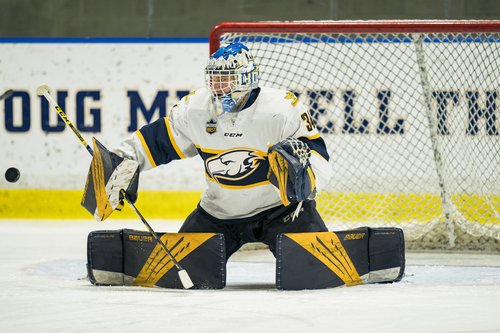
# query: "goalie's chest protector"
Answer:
x=234 y=146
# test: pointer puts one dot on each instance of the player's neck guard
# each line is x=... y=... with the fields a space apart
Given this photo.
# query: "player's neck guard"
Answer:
x=230 y=103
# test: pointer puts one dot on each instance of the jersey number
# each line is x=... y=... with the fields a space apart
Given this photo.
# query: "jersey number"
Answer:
x=308 y=120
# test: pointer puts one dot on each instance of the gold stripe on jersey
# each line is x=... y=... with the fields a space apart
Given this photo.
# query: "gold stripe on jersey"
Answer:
x=186 y=98
x=146 y=148
x=171 y=137
x=220 y=151
x=312 y=137
x=318 y=154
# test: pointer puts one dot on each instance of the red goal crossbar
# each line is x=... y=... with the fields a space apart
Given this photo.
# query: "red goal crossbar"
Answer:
x=350 y=27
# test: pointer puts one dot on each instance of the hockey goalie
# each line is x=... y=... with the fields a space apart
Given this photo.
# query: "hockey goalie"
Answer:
x=265 y=161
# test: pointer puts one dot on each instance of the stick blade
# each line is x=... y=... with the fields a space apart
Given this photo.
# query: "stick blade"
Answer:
x=185 y=279
x=42 y=89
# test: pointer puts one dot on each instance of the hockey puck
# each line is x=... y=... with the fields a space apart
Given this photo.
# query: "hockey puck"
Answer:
x=12 y=175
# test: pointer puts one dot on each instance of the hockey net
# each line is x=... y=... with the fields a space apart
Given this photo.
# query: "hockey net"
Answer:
x=410 y=115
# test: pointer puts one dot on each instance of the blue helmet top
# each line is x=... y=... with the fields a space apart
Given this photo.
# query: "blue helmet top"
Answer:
x=231 y=56
x=229 y=50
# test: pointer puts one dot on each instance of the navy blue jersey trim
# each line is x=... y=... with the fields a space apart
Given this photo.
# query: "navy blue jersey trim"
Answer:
x=158 y=142
x=317 y=145
x=253 y=96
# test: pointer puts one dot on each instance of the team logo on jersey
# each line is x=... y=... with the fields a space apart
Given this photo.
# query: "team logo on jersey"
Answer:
x=211 y=126
x=233 y=164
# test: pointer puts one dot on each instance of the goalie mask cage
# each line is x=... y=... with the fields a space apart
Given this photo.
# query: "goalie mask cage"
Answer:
x=409 y=112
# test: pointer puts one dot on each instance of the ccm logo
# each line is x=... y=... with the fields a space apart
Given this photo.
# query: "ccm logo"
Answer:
x=233 y=135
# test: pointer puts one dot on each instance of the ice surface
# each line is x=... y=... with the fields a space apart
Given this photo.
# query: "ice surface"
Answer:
x=42 y=270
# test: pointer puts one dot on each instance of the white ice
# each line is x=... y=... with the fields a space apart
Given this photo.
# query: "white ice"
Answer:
x=43 y=289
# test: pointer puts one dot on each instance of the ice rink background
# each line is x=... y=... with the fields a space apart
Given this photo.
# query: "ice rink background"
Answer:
x=44 y=289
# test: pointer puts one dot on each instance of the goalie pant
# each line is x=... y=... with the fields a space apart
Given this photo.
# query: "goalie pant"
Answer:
x=264 y=227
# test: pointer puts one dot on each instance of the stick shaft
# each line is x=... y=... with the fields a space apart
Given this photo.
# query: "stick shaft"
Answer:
x=64 y=117
x=186 y=281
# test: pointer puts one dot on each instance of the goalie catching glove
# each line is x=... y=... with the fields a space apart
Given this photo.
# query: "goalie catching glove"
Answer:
x=291 y=172
x=109 y=174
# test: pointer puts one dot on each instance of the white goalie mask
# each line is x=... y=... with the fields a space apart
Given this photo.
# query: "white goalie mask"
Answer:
x=230 y=75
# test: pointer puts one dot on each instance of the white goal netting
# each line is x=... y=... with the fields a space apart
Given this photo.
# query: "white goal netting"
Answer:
x=410 y=117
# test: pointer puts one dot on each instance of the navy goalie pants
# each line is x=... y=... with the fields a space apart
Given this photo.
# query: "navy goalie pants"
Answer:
x=264 y=227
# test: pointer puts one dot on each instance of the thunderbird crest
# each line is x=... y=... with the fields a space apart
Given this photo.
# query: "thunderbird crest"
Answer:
x=233 y=165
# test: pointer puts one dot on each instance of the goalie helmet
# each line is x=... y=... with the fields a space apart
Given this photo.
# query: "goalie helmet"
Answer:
x=230 y=75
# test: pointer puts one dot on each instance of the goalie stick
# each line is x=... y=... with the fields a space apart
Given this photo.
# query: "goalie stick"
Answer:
x=43 y=90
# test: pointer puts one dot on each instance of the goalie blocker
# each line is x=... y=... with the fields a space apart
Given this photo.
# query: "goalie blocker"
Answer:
x=331 y=259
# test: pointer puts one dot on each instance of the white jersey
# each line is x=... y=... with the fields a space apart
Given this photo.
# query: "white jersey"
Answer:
x=233 y=147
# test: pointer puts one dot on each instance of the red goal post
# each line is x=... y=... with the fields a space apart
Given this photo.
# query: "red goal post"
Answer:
x=349 y=27
x=410 y=112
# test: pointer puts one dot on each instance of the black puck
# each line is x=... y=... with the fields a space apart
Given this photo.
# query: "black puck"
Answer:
x=12 y=175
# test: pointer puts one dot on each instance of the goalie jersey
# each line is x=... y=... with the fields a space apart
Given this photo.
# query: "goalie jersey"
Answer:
x=233 y=147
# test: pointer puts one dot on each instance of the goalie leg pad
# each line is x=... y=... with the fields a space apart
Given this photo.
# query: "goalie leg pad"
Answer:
x=330 y=259
x=133 y=258
x=386 y=255
x=105 y=258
